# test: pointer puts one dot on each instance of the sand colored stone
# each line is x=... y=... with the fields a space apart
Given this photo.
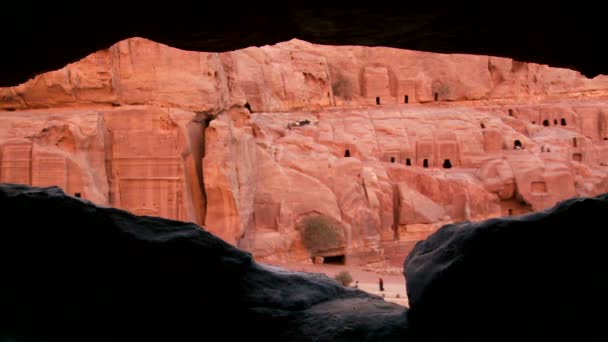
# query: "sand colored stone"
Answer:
x=209 y=138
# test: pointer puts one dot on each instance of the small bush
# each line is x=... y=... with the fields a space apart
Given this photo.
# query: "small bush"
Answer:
x=344 y=278
x=442 y=89
x=321 y=233
x=341 y=86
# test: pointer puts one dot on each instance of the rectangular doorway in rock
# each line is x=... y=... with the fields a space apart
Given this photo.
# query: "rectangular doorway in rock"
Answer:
x=425 y=163
x=436 y=96
x=334 y=260
x=577 y=157
x=406 y=99
x=408 y=162
x=377 y=100
x=538 y=187
x=78 y=195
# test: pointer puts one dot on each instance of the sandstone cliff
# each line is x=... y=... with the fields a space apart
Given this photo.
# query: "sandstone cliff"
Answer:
x=392 y=144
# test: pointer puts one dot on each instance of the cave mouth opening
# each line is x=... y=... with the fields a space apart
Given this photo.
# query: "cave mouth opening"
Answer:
x=377 y=100
x=406 y=99
x=334 y=260
x=545 y=123
x=408 y=162
x=392 y=159
x=425 y=163
x=347 y=153
x=447 y=164
x=517 y=145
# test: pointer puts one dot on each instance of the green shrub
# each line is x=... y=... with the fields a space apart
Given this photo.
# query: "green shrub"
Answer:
x=321 y=234
x=344 y=278
x=341 y=86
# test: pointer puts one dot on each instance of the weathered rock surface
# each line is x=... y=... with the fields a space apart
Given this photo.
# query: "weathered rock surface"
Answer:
x=536 y=276
x=74 y=270
x=253 y=143
x=289 y=76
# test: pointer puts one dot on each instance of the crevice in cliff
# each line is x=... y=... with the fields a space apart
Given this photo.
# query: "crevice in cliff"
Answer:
x=197 y=129
x=396 y=211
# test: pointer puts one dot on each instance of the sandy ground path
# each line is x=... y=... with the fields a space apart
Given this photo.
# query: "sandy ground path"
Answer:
x=394 y=285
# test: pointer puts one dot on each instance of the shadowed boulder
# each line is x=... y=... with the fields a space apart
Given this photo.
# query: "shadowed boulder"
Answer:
x=71 y=269
x=539 y=275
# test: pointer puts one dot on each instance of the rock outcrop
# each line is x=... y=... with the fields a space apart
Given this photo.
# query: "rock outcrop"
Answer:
x=382 y=146
x=535 y=276
x=73 y=270
x=289 y=76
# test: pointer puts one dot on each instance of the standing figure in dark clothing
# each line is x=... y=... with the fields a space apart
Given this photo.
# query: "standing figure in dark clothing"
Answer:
x=381 y=284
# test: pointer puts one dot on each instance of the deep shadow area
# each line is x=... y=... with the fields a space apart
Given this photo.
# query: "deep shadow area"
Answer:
x=536 y=276
x=75 y=271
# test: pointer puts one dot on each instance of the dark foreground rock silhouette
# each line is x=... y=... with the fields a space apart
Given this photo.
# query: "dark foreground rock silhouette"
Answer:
x=73 y=270
x=534 y=277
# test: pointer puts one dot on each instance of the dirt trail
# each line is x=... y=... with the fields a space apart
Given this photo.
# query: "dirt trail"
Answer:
x=394 y=285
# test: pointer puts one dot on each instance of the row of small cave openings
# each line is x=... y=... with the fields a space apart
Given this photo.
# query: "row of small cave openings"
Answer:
x=562 y=121
x=406 y=98
x=447 y=164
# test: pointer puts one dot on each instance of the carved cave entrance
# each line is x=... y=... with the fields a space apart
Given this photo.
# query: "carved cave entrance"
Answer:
x=334 y=259
x=347 y=153
x=563 y=122
x=436 y=96
x=447 y=164
x=392 y=159
x=406 y=99
x=377 y=100
x=517 y=144
x=408 y=162
x=545 y=122
x=425 y=163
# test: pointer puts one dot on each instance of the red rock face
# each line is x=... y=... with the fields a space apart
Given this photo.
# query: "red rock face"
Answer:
x=382 y=145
